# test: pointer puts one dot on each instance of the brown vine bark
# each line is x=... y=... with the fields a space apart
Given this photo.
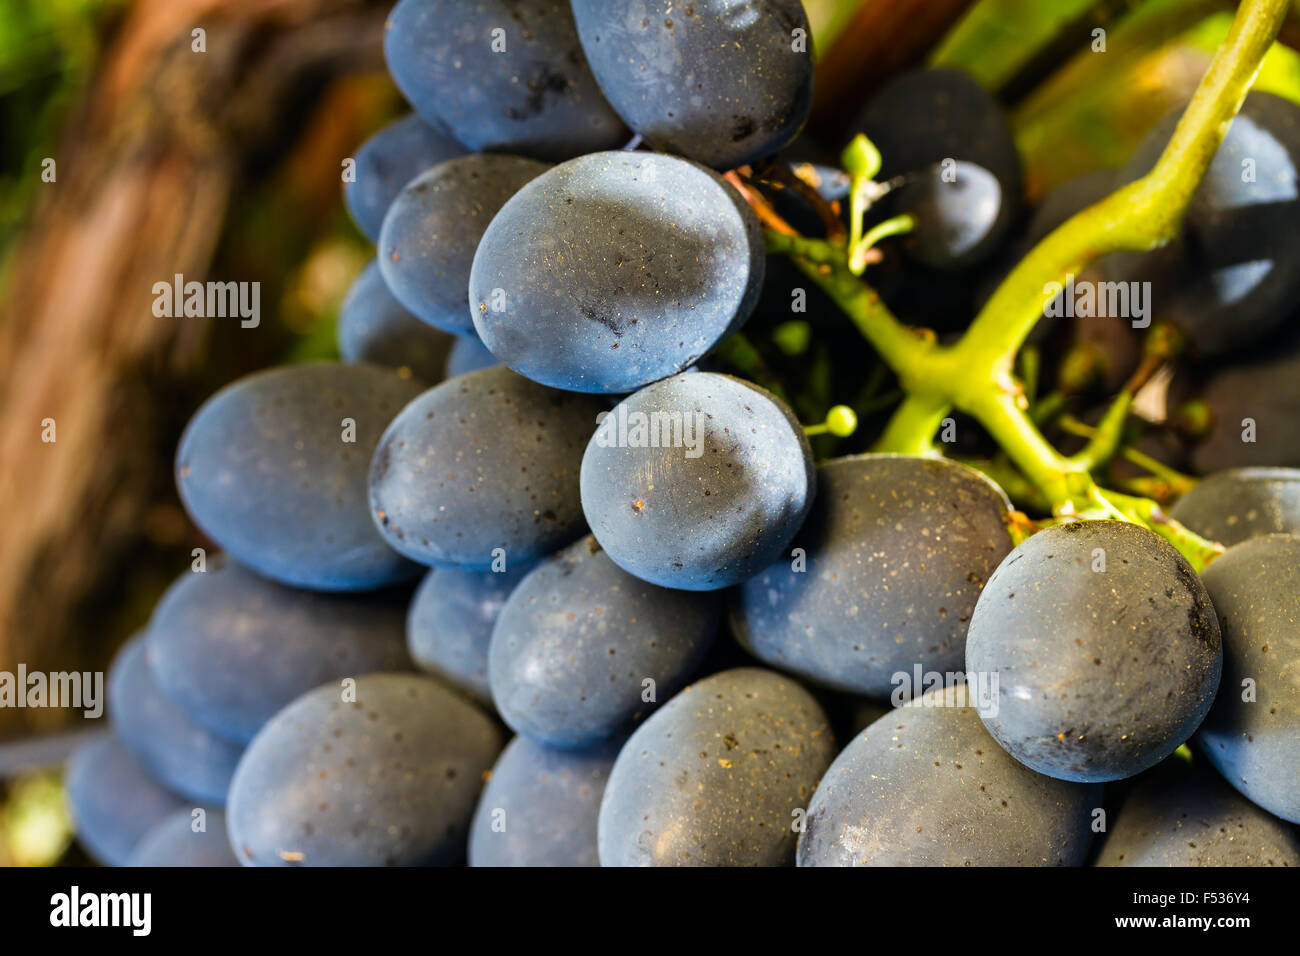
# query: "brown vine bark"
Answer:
x=883 y=38
x=165 y=144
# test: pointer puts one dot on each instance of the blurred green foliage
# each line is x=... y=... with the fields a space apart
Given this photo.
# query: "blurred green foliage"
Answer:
x=828 y=18
x=48 y=49
x=1280 y=73
x=997 y=37
x=35 y=824
x=1095 y=109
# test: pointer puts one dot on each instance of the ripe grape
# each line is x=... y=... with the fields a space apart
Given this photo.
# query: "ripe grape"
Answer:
x=540 y=805
x=961 y=217
x=719 y=83
x=1252 y=734
x=1105 y=647
x=1232 y=506
x=375 y=327
x=449 y=623
x=469 y=354
x=181 y=753
x=925 y=785
x=231 y=649
x=897 y=550
x=929 y=116
x=433 y=227
x=114 y=801
x=485 y=461
x=715 y=776
x=579 y=638
x=1233 y=275
x=389 y=160
x=273 y=468
x=1181 y=815
x=501 y=75
x=386 y=777
x=1255 y=411
x=174 y=842
x=615 y=270
x=712 y=509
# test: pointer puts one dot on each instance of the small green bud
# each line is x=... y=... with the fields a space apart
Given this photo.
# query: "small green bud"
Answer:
x=861 y=158
x=792 y=337
x=841 y=421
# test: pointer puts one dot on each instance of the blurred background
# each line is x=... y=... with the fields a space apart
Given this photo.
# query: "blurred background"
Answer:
x=226 y=165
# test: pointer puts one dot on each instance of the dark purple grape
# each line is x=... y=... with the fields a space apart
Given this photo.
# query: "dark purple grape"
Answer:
x=716 y=775
x=1252 y=734
x=1104 y=646
x=176 y=842
x=469 y=354
x=388 y=776
x=721 y=83
x=273 y=468
x=1232 y=506
x=713 y=499
x=582 y=650
x=961 y=216
x=389 y=160
x=929 y=116
x=501 y=76
x=1184 y=815
x=434 y=226
x=925 y=785
x=887 y=571
x=177 y=750
x=375 y=327
x=114 y=801
x=1254 y=412
x=449 y=623
x=540 y=806
x=1233 y=275
x=232 y=649
x=615 y=270
x=486 y=462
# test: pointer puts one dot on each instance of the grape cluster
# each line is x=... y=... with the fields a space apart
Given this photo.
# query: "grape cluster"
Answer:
x=530 y=578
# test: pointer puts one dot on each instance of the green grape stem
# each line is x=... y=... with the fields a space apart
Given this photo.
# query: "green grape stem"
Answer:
x=1175 y=482
x=975 y=375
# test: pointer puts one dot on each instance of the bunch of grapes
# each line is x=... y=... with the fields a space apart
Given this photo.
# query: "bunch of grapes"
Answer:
x=546 y=572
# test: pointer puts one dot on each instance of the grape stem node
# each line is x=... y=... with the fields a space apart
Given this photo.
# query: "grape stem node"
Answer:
x=975 y=375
